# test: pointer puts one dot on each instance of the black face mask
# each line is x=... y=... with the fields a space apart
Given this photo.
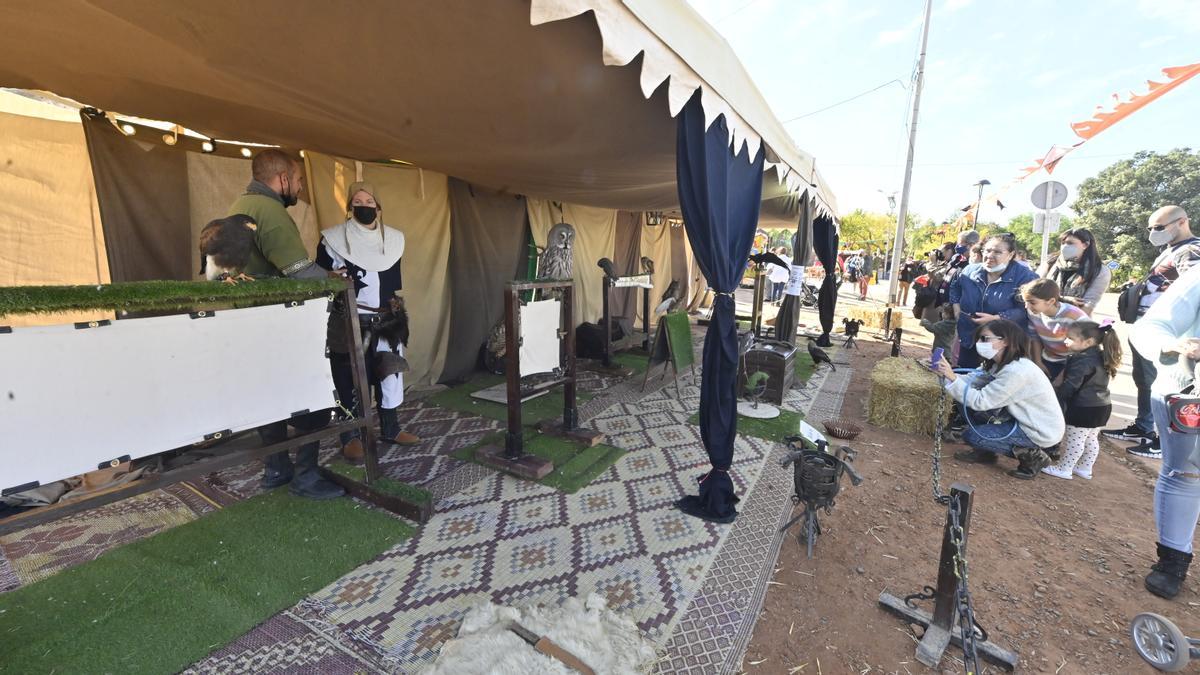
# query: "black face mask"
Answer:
x=288 y=199
x=365 y=214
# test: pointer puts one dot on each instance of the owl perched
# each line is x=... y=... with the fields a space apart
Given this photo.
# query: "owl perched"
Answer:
x=556 y=261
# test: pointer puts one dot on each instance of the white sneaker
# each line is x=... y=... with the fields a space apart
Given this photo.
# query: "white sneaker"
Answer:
x=1057 y=473
x=1086 y=475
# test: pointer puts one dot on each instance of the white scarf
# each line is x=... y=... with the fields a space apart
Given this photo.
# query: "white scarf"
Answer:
x=373 y=250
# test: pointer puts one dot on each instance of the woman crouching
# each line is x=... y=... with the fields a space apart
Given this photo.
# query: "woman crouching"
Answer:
x=1023 y=417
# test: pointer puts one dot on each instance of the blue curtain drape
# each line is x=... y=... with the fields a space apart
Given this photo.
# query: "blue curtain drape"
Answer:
x=825 y=243
x=719 y=195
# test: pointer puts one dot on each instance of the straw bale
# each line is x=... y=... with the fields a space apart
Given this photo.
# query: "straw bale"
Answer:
x=904 y=396
x=872 y=317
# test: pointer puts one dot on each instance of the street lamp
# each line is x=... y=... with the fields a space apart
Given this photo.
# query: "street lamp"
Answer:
x=889 y=244
x=979 y=200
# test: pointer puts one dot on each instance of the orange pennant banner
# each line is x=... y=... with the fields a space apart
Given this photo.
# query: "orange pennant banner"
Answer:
x=1104 y=119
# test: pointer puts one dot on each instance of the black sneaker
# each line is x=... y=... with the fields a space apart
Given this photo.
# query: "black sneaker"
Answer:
x=1149 y=447
x=1129 y=433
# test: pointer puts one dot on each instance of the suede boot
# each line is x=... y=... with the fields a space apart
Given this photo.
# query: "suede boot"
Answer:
x=1030 y=462
x=1167 y=575
x=389 y=429
x=308 y=481
x=278 y=470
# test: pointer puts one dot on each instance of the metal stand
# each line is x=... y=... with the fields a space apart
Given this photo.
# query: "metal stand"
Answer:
x=756 y=305
x=642 y=281
x=512 y=456
x=951 y=593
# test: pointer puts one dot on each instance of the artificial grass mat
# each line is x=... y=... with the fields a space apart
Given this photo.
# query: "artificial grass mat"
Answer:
x=787 y=424
x=575 y=465
x=383 y=484
x=140 y=296
x=548 y=406
x=159 y=604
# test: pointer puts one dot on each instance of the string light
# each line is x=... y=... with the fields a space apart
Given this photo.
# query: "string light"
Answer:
x=246 y=153
x=128 y=129
x=208 y=146
x=169 y=139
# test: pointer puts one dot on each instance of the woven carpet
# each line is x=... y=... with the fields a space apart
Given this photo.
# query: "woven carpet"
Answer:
x=514 y=542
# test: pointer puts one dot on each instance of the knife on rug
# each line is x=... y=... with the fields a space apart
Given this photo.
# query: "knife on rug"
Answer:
x=547 y=646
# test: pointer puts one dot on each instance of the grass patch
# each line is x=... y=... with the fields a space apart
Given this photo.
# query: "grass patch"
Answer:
x=162 y=603
x=803 y=365
x=787 y=424
x=575 y=465
x=383 y=484
x=637 y=362
x=158 y=296
x=543 y=407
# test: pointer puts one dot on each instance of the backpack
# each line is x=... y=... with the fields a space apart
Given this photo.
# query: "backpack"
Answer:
x=1129 y=300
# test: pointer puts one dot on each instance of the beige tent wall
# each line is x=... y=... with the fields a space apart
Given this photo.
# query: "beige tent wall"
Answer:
x=595 y=238
x=656 y=245
x=49 y=217
x=417 y=203
x=214 y=182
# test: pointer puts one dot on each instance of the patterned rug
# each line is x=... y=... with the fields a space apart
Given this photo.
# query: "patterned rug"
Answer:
x=37 y=552
x=515 y=542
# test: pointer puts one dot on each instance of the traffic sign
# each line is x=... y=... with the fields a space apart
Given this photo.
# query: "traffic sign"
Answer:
x=1049 y=195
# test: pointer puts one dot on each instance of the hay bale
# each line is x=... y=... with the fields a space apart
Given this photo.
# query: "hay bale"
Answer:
x=904 y=396
x=873 y=317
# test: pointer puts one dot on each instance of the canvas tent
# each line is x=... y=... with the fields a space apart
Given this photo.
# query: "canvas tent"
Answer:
x=512 y=96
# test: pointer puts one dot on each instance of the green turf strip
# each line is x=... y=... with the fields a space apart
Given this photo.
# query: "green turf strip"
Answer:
x=636 y=361
x=803 y=365
x=549 y=406
x=787 y=424
x=162 y=603
x=383 y=484
x=135 y=296
x=575 y=465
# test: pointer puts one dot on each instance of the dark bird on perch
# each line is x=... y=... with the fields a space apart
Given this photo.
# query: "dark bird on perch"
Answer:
x=818 y=355
x=768 y=258
x=669 y=298
x=225 y=248
x=609 y=270
x=647 y=265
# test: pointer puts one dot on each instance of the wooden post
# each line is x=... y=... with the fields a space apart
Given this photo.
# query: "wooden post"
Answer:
x=513 y=439
x=646 y=318
x=567 y=351
x=608 y=286
x=756 y=304
x=362 y=386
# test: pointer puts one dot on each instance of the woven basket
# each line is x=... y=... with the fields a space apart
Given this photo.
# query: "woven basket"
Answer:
x=842 y=428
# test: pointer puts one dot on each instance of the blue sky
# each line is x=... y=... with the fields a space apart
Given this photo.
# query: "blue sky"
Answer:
x=1003 y=80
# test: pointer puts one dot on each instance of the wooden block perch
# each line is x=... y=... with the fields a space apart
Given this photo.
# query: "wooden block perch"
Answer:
x=904 y=396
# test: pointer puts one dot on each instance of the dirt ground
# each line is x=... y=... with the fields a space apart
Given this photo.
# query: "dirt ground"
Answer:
x=1056 y=566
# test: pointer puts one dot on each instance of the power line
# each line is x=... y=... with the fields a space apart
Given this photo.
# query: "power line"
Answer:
x=751 y=2
x=1010 y=161
x=852 y=98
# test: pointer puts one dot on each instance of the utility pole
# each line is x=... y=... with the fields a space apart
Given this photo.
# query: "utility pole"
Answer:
x=898 y=248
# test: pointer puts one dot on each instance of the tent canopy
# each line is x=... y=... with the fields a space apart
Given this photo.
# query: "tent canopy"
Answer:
x=471 y=89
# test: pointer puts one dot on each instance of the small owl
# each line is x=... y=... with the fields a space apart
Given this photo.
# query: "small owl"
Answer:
x=556 y=262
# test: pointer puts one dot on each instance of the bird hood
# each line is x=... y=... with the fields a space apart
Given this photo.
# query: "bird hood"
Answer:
x=373 y=250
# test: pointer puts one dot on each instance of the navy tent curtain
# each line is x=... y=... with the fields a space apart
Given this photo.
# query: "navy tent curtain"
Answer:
x=825 y=243
x=719 y=195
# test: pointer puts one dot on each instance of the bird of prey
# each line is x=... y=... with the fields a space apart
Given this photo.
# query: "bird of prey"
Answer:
x=647 y=265
x=766 y=257
x=225 y=248
x=669 y=298
x=818 y=355
x=607 y=265
x=556 y=261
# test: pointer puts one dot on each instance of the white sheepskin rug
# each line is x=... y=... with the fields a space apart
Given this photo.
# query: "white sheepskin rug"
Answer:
x=604 y=640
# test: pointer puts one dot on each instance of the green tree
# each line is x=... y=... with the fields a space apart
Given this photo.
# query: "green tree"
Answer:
x=1027 y=240
x=864 y=229
x=1116 y=203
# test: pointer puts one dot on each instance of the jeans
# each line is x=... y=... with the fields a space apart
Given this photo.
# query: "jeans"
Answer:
x=1177 y=492
x=997 y=438
x=1144 y=373
x=967 y=356
x=776 y=291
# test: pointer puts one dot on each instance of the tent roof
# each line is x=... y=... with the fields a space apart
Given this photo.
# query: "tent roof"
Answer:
x=467 y=88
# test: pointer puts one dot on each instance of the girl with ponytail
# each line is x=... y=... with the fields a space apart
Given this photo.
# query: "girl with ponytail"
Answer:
x=1095 y=354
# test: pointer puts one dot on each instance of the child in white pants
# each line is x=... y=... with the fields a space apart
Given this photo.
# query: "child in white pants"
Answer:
x=1095 y=354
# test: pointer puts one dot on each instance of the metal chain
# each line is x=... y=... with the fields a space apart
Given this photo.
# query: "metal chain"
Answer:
x=963 y=606
x=939 y=427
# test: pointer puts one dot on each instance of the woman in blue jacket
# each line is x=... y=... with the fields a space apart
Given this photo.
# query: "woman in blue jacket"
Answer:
x=987 y=291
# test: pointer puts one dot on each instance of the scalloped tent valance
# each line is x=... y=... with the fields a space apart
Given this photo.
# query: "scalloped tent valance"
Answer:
x=466 y=88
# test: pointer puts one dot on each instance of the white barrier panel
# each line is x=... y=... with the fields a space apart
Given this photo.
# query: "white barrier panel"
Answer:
x=71 y=399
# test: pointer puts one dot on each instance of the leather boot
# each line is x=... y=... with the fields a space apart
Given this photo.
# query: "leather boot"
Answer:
x=308 y=481
x=1030 y=462
x=353 y=451
x=278 y=470
x=1167 y=575
x=389 y=429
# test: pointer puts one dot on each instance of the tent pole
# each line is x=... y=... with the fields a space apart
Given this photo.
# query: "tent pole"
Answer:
x=902 y=217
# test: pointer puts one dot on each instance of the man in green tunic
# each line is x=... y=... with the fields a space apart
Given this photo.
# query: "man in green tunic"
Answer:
x=280 y=252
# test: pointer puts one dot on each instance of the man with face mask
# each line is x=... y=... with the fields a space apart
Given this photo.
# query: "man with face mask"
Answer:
x=278 y=180
x=279 y=252
x=1168 y=227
